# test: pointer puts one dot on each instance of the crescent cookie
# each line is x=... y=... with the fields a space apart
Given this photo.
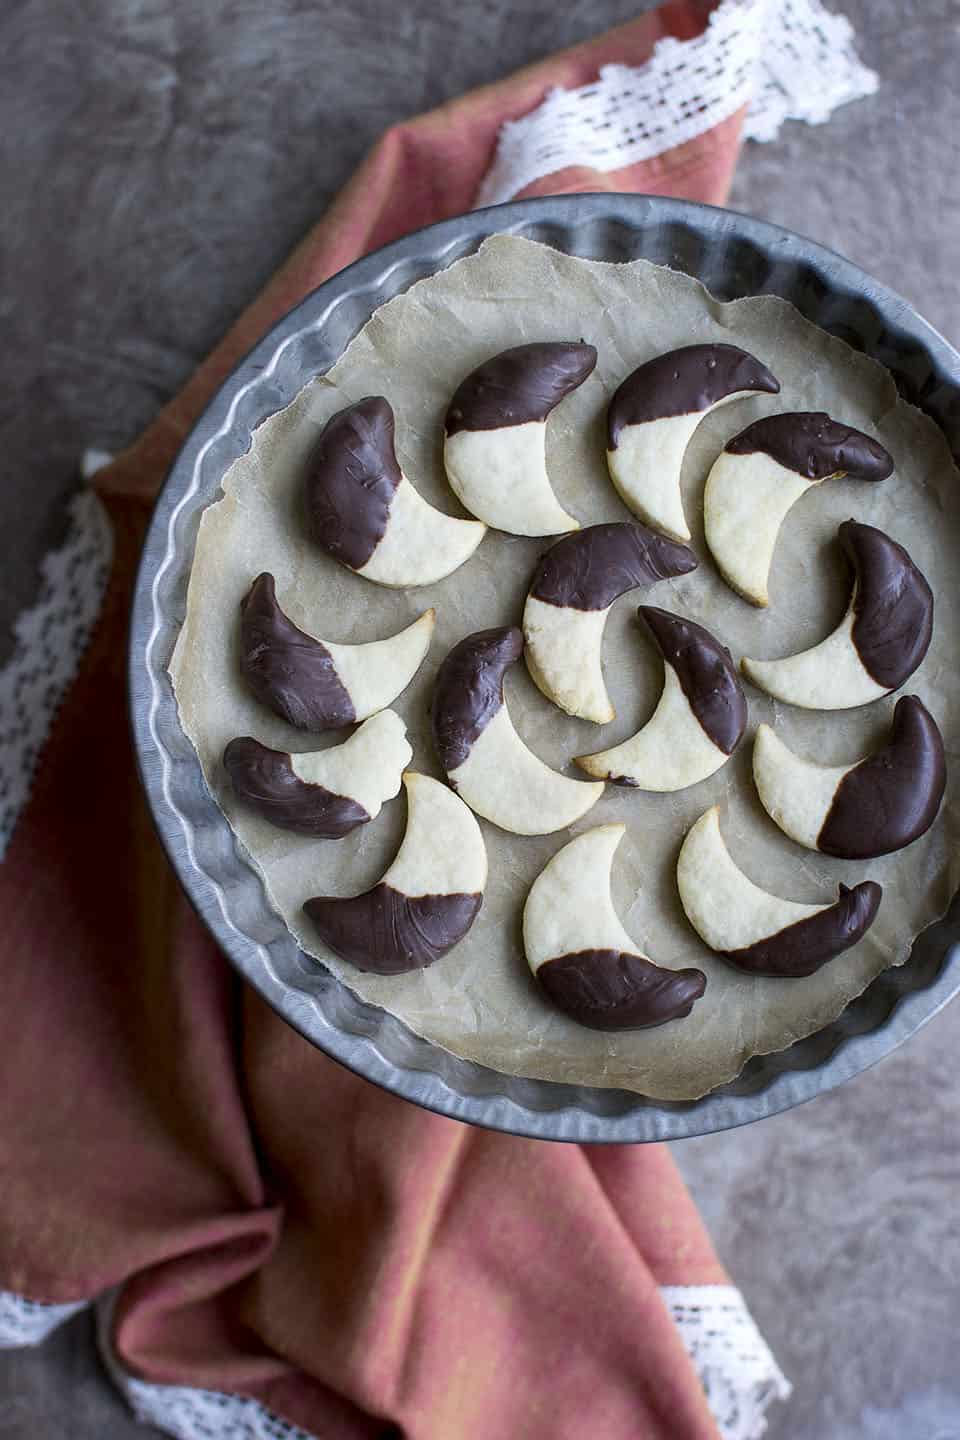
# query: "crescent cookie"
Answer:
x=879 y=642
x=652 y=417
x=364 y=512
x=762 y=473
x=495 y=445
x=857 y=812
x=485 y=759
x=316 y=684
x=758 y=932
x=573 y=589
x=583 y=959
x=426 y=900
x=324 y=793
x=700 y=718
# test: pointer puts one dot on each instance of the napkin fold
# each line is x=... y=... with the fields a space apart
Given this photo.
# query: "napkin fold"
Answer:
x=283 y=1248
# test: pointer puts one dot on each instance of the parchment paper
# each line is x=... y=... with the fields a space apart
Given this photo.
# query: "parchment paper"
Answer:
x=479 y=1001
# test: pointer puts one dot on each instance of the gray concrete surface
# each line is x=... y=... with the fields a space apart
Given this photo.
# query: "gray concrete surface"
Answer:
x=159 y=157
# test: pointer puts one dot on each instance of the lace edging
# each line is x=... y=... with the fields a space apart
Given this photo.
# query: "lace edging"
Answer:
x=188 y=1412
x=808 y=67
x=737 y=1370
x=739 y=1375
x=51 y=637
x=29 y=1322
x=786 y=59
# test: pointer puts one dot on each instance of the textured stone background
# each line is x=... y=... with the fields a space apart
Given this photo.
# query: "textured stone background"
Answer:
x=159 y=158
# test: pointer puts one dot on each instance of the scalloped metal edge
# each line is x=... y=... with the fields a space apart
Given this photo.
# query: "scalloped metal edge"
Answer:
x=733 y=255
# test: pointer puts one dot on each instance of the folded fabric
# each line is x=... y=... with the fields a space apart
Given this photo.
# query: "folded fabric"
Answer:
x=279 y=1238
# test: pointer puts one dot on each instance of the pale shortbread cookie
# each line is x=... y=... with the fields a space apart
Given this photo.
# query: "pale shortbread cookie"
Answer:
x=322 y=793
x=426 y=900
x=495 y=435
x=376 y=672
x=585 y=961
x=318 y=684
x=653 y=415
x=363 y=511
x=367 y=767
x=874 y=806
x=754 y=930
x=762 y=473
x=573 y=589
x=698 y=722
x=485 y=759
x=879 y=642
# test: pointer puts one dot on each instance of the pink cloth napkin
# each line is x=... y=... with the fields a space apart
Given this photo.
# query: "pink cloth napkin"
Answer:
x=277 y=1227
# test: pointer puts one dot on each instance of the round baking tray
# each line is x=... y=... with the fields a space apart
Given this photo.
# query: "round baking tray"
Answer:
x=733 y=255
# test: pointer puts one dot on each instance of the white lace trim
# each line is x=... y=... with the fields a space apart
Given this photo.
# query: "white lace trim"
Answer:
x=51 y=637
x=737 y=1370
x=789 y=59
x=189 y=1414
x=29 y=1322
x=739 y=1375
x=185 y=1411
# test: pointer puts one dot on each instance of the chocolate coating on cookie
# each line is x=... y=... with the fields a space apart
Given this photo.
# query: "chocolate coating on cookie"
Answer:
x=519 y=385
x=288 y=671
x=266 y=781
x=591 y=568
x=468 y=690
x=801 y=949
x=616 y=990
x=387 y=932
x=685 y=382
x=815 y=446
x=892 y=797
x=892 y=605
x=706 y=673
x=352 y=479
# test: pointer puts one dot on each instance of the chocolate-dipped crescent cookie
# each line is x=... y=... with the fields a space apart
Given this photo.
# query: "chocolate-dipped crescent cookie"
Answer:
x=316 y=684
x=652 y=417
x=485 y=759
x=267 y=781
x=879 y=642
x=468 y=691
x=573 y=589
x=892 y=605
x=754 y=930
x=811 y=444
x=326 y=793
x=761 y=473
x=698 y=722
x=860 y=811
x=519 y=385
x=495 y=435
x=364 y=512
x=580 y=954
x=427 y=899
